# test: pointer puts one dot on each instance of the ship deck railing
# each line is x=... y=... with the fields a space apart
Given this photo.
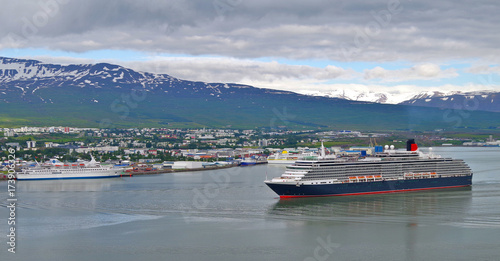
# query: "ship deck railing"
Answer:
x=383 y=178
x=52 y=167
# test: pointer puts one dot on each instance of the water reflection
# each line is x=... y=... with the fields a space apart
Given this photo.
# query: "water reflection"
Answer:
x=383 y=220
x=77 y=185
x=362 y=208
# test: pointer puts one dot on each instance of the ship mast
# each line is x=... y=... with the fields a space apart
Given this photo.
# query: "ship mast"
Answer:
x=322 y=152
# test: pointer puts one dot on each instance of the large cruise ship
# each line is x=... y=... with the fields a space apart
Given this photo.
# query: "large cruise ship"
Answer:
x=56 y=169
x=387 y=171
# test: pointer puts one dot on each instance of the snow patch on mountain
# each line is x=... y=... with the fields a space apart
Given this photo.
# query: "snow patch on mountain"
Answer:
x=12 y=70
x=394 y=98
x=30 y=76
x=476 y=100
x=355 y=95
x=444 y=96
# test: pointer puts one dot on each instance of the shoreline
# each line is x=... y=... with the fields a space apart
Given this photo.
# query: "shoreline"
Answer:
x=165 y=171
x=3 y=176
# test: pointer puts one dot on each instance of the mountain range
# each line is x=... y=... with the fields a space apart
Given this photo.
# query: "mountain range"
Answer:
x=107 y=95
x=477 y=100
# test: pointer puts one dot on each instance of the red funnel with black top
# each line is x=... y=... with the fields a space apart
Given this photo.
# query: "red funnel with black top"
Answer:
x=411 y=145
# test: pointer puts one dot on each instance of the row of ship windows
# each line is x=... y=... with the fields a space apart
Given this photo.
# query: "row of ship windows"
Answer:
x=63 y=170
x=390 y=165
x=392 y=171
x=367 y=163
x=319 y=177
x=425 y=162
x=405 y=169
x=357 y=171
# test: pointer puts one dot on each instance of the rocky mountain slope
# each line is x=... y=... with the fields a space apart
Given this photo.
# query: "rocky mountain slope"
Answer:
x=107 y=95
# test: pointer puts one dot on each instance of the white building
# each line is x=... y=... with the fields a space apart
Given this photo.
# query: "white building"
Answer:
x=187 y=165
x=104 y=149
x=136 y=151
x=51 y=144
x=9 y=133
x=31 y=144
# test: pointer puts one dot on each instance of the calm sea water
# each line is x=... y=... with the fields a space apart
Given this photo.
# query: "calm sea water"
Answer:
x=231 y=215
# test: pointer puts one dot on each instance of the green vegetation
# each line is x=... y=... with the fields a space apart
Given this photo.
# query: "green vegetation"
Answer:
x=245 y=109
x=160 y=140
x=475 y=136
x=49 y=137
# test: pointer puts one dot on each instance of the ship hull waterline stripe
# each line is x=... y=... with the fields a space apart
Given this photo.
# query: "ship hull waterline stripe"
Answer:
x=371 y=192
x=94 y=177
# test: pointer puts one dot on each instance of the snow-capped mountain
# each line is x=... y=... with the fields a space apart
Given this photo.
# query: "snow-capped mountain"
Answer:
x=354 y=95
x=469 y=101
x=349 y=95
x=29 y=78
x=19 y=69
x=444 y=95
x=106 y=95
x=479 y=100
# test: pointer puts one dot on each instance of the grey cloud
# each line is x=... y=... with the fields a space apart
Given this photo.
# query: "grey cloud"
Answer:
x=388 y=30
x=426 y=71
x=301 y=78
x=236 y=70
x=221 y=69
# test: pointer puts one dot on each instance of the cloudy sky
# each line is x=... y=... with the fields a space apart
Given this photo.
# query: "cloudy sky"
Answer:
x=393 y=46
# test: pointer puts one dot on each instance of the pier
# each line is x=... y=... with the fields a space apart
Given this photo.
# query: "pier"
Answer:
x=164 y=171
x=3 y=175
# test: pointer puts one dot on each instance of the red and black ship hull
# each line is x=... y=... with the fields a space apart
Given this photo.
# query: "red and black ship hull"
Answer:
x=372 y=187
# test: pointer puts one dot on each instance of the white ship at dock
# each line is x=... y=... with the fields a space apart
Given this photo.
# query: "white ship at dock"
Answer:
x=289 y=157
x=55 y=169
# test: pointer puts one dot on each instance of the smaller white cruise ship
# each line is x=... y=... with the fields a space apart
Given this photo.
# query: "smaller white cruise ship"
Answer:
x=56 y=169
x=285 y=157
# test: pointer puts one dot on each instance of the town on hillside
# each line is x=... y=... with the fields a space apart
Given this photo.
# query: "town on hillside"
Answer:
x=157 y=148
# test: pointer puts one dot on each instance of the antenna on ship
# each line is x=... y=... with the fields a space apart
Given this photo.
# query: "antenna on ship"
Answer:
x=36 y=161
x=322 y=151
x=92 y=161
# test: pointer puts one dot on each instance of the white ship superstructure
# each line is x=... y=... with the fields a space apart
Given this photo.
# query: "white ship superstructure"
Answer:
x=56 y=169
x=290 y=156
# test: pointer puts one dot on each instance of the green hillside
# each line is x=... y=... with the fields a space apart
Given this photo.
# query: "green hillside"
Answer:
x=73 y=107
x=111 y=96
